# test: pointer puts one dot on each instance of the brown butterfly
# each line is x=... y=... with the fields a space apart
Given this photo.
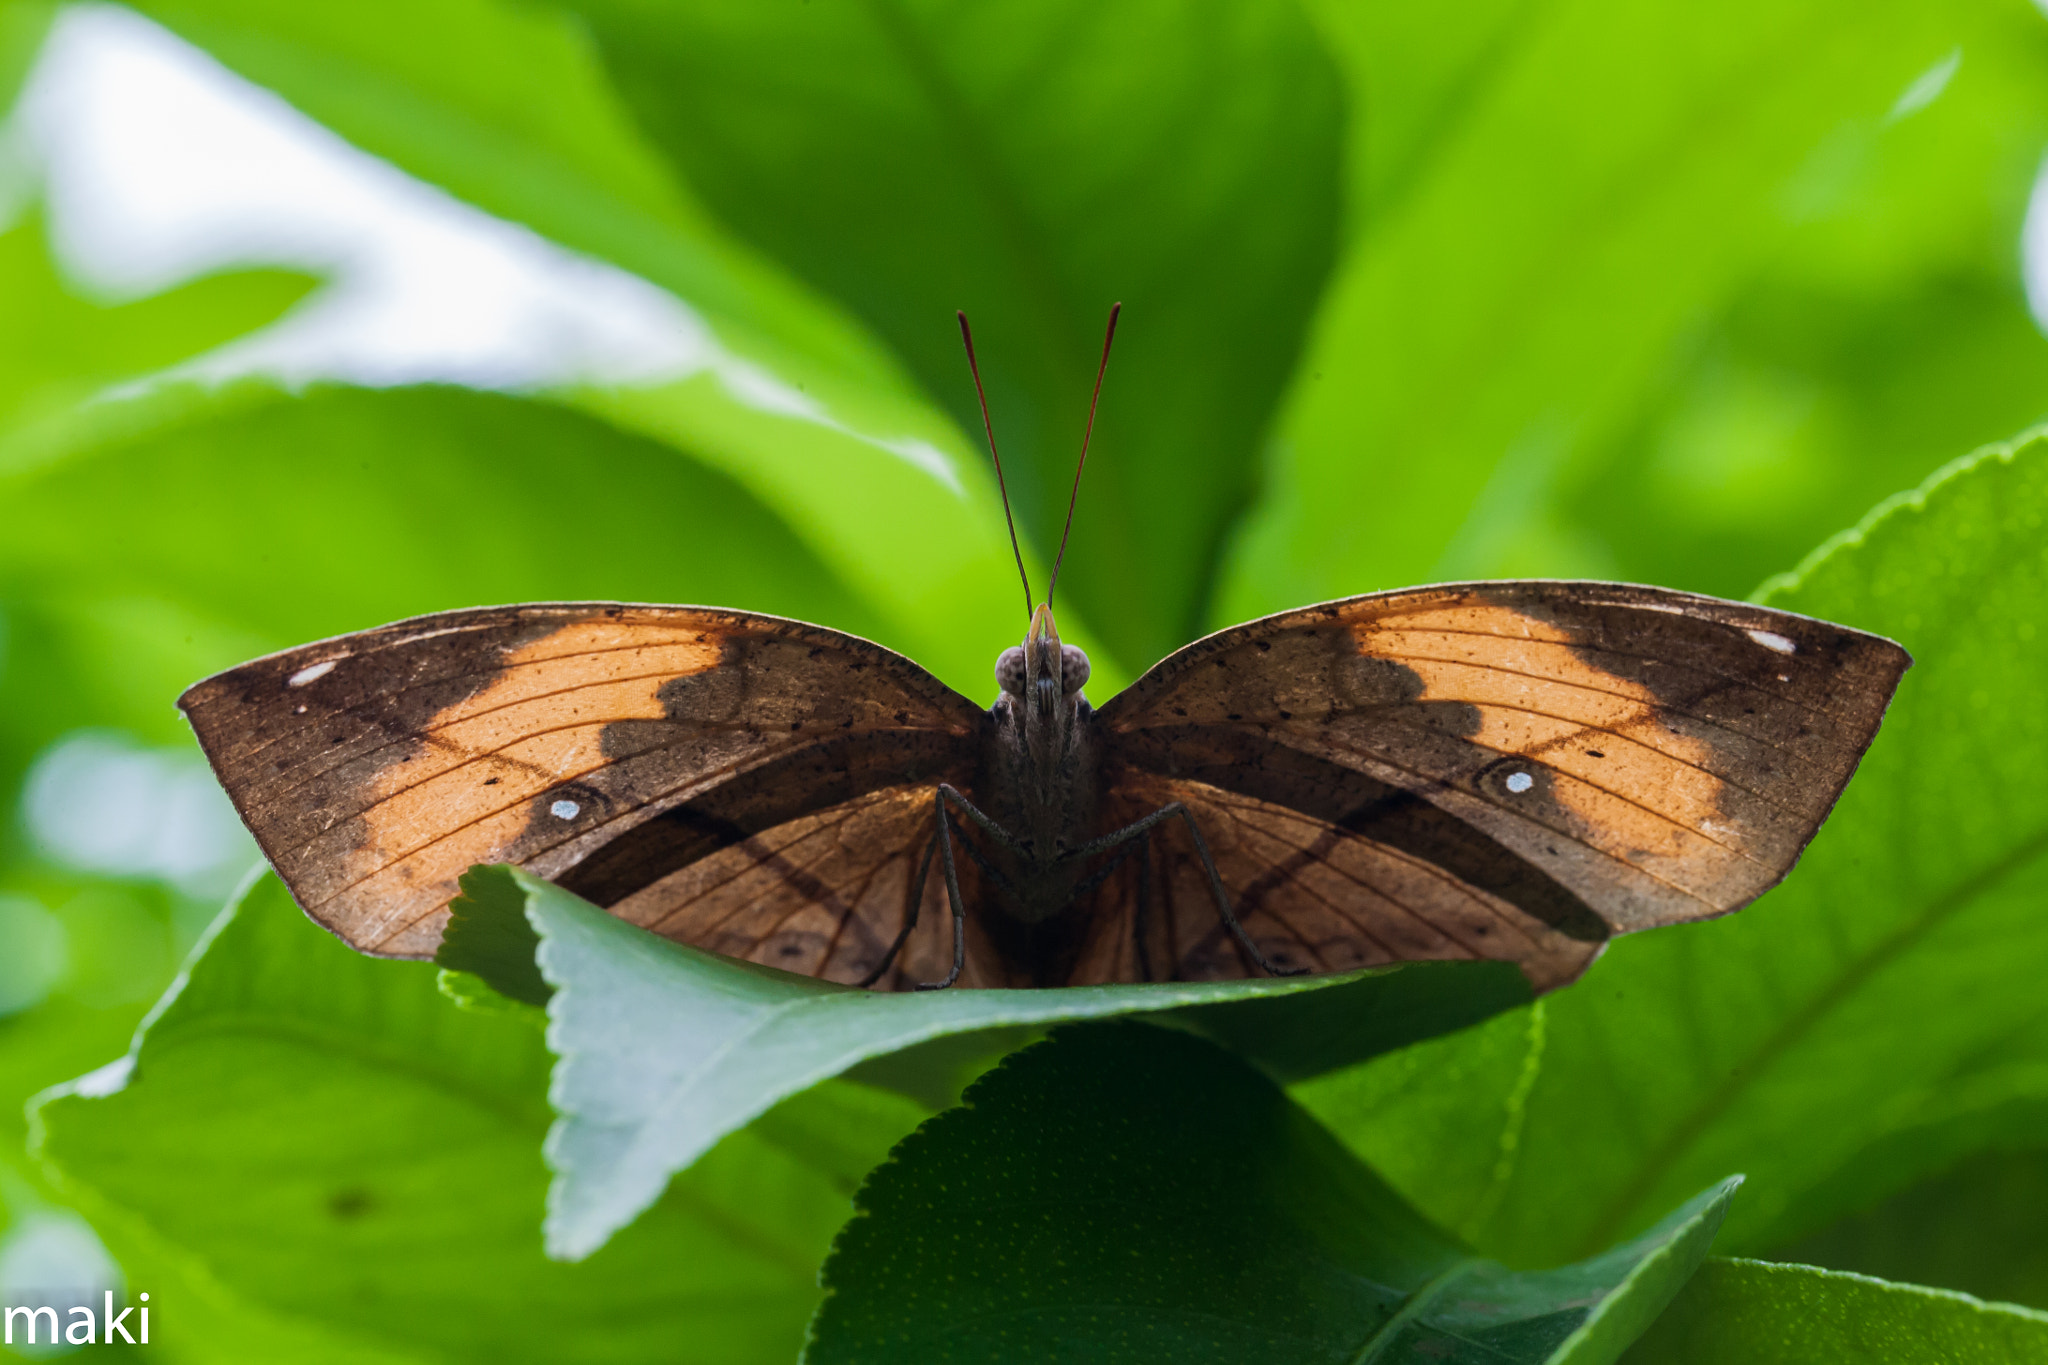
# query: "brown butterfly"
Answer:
x=1505 y=770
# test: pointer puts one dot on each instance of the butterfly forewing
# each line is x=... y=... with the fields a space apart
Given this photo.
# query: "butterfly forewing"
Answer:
x=600 y=745
x=1584 y=751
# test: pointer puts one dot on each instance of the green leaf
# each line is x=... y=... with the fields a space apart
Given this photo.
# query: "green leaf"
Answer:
x=331 y=1143
x=1764 y=1314
x=1896 y=973
x=1125 y=1193
x=195 y=1317
x=1020 y=161
x=1442 y=1120
x=23 y=25
x=1975 y=1227
x=1757 y=293
x=1890 y=331
x=60 y=348
x=665 y=1049
x=782 y=394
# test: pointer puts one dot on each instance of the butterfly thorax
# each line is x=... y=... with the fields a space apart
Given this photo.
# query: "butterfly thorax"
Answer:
x=1040 y=770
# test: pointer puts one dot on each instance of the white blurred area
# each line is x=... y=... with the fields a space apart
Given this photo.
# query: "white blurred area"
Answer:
x=156 y=164
x=51 y=1256
x=99 y=801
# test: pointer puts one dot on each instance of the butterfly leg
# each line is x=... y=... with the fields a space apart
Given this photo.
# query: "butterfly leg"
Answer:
x=924 y=868
x=953 y=897
x=1141 y=828
x=1140 y=924
x=950 y=795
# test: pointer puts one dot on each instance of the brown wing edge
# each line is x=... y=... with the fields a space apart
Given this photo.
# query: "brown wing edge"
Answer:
x=414 y=628
x=211 y=705
x=1593 y=591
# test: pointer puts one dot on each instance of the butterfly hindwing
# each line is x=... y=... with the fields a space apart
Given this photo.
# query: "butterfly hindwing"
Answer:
x=829 y=894
x=600 y=745
x=1633 y=755
x=1312 y=896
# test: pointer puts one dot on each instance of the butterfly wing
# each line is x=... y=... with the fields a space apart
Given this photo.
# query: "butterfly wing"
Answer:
x=1311 y=896
x=829 y=894
x=604 y=747
x=1600 y=757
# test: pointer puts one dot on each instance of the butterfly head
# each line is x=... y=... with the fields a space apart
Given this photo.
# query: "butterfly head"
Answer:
x=1042 y=671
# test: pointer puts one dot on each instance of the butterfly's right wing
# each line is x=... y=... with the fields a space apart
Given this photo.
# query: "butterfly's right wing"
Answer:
x=1312 y=895
x=1601 y=757
x=608 y=748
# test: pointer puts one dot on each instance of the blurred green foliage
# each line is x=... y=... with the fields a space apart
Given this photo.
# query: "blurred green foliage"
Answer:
x=1645 y=291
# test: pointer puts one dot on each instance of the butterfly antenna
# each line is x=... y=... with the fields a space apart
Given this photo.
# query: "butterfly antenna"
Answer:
x=1082 y=463
x=967 y=337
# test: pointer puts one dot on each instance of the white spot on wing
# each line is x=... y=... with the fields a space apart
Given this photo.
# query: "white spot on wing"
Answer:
x=1520 y=782
x=564 y=810
x=312 y=672
x=1771 y=640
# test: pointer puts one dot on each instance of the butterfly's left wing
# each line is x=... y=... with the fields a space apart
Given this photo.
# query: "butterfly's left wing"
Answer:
x=634 y=754
x=1581 y=758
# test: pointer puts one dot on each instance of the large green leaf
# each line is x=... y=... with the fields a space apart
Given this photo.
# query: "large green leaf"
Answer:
x=1896 y=969
x=665 y=1049
x=1124 y=1193
x=325 y=1138
x=290 y=517
x=786 y=396
x=1030 y=163
x=1654 y=292
x=1975 y=1227
x=1764 y=1314
x=59 y=349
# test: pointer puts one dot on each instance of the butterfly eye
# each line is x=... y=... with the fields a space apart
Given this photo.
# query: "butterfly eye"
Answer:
x=1010 y=671
x=1073 y=668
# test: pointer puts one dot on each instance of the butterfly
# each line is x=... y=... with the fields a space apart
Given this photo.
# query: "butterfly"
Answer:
x=1513 y=771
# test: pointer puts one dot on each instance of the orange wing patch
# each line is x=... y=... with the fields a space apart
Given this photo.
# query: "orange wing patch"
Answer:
x=1628 y=784
x=461 y=797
